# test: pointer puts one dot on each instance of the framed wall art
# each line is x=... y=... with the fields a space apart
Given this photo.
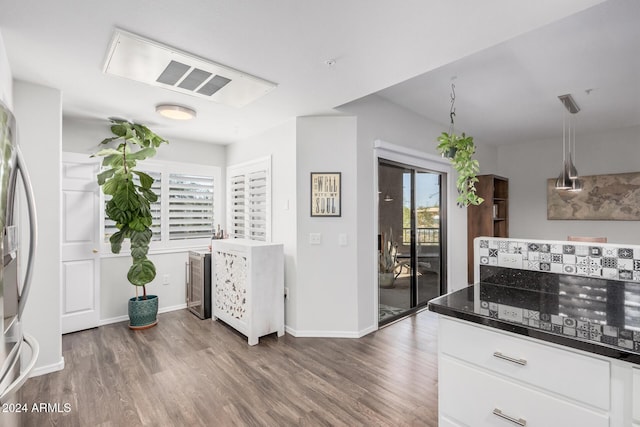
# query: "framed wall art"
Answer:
x=614 y=197
x=326 y=194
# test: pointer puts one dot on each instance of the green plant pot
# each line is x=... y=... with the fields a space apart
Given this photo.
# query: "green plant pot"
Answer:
x=143 y=313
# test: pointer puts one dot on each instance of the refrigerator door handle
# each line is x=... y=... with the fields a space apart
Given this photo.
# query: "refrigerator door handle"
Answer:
x=35 y=350
x=33 y=231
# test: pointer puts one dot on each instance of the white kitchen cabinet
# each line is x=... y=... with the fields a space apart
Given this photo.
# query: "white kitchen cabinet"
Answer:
x=489 y=377
x=248 y=286
x=529 y=362
x=635 y=395
x=476 y=397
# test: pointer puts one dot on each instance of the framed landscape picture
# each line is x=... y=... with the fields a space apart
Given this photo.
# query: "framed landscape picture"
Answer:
x=326 y=194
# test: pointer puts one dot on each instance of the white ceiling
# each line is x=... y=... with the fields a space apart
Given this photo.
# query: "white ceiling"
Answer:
x=375 y=44
x=509 y=93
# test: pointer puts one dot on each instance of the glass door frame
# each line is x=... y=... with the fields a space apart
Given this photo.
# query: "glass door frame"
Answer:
x=419 y=160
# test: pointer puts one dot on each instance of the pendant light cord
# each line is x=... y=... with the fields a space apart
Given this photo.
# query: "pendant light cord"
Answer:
x=564 y=131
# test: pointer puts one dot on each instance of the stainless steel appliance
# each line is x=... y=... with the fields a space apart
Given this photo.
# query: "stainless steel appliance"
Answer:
x=13 y=290
x=199 y=284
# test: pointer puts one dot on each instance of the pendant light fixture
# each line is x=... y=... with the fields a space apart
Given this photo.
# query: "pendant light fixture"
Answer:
x=568 y=178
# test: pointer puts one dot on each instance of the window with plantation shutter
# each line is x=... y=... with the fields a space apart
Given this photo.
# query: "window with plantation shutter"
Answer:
x=190 y=206
x=187 y=209
x=249 y=200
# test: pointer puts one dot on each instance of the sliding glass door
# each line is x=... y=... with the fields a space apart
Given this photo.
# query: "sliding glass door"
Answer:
x=410 y=236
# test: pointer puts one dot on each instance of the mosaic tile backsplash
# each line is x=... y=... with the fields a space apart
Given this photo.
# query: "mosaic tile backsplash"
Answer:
x=605 y=260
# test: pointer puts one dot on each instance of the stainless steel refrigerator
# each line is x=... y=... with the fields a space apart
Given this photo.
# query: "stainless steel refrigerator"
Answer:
x=14 y=286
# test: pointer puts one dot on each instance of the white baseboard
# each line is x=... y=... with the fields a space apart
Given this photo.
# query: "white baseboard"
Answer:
x=42 y=370
x=330 y=334
x=124 y=318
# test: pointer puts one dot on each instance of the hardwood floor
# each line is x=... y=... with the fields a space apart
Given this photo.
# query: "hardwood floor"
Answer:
x=192 y=372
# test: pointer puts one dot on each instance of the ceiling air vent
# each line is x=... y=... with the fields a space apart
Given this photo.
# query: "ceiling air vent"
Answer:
x=150 y=62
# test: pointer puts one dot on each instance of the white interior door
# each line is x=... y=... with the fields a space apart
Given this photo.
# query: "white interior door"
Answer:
x=80 y=243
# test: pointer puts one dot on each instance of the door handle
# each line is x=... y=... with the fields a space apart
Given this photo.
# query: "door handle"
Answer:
x=33 y=231
x=517 y=421
x=95 y=251
x=35 y=350
x=499 y=355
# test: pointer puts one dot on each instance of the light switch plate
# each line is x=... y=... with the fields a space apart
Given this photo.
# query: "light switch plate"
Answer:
x=315 y=238
x=342 y=239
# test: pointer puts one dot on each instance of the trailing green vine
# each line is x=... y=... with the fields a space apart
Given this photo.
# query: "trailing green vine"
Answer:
x=460 y=150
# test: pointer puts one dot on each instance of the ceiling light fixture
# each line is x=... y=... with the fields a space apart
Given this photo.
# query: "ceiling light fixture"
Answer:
x=568 y=178
x=175 y=112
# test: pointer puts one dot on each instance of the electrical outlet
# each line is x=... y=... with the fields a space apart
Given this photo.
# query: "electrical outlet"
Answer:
x=165 y=279
x=315 y=238
x=512 y=314
x=509 y=260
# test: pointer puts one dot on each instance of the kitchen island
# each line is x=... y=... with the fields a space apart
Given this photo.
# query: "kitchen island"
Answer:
x=527 y=347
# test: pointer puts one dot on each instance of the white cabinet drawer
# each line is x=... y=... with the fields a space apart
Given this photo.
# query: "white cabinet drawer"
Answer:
x=446 y=422
x=570 y=374
x=473 y=395
x=635 y=396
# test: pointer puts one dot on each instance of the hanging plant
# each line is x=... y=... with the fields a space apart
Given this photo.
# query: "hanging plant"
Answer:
x=460 y=150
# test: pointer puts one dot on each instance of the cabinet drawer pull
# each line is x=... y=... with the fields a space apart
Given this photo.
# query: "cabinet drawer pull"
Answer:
x=510 y=359
x=518 y=421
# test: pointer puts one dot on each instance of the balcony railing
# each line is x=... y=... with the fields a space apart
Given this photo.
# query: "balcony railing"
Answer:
x=424 y=235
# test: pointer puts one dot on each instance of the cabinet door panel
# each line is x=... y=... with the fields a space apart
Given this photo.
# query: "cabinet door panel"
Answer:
x=474 y=397
x=635 y=396
x=557 y=370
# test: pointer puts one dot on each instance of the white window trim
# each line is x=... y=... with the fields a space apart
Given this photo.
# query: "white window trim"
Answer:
x=245 y=168
x=166 y=245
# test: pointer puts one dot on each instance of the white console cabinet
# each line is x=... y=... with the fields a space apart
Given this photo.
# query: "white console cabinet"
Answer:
x=489 y=377
x=248 y=286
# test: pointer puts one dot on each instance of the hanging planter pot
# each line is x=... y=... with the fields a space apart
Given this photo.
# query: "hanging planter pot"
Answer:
x=451 y=153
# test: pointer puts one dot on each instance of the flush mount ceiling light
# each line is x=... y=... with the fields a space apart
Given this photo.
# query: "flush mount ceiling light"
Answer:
x=568 y=178
x=175 y=112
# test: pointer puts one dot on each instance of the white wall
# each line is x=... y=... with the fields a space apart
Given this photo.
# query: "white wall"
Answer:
x=279 y=143
x=38 y=111
x=528 y=166
x=327 y=273
x=80 y=136
x=6 y=79
x=379 y=119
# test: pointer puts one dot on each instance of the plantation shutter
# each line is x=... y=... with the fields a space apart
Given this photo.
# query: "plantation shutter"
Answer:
x=257 y=215
x=190 y=206
x=237 y=206
x=249 y=200
x=156 y=211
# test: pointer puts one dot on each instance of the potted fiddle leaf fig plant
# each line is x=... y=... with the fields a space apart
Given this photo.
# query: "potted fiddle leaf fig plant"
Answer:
x=129 y=201
x=460 y=150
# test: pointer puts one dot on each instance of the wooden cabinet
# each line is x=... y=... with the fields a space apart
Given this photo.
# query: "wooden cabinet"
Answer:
x=491 y=217
x=248 y=286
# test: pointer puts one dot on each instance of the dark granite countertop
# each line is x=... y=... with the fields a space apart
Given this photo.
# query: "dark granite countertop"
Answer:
x=594 y=315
